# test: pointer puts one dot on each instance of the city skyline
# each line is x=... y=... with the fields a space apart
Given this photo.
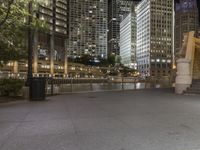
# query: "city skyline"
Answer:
x=99 y=74
x=92 y=28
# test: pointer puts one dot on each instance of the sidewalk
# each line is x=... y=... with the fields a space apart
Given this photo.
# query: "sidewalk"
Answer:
x=126 y=120
x=8 y=99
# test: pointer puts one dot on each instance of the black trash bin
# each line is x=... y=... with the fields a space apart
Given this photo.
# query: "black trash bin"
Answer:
x=37 y=88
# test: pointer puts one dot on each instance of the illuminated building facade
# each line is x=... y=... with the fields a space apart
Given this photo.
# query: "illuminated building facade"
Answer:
x=52 y=50
x=128 y=41
x=154 y=50
x=49 y=49
x=186 y=19
x=116 y=10
x=88 y=28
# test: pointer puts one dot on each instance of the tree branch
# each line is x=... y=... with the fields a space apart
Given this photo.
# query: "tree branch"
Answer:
x=7 y=13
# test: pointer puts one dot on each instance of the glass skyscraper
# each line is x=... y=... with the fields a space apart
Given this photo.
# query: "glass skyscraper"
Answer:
x=116 y=11
x=128 y=41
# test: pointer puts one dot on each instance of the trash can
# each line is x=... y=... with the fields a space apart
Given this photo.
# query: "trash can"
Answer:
x=37 y=88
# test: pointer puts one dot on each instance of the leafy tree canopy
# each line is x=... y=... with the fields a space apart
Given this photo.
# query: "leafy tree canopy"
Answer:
x=14 y=26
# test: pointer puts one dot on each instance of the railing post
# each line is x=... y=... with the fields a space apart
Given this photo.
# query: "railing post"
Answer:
x=122 y=83
x=135 y=83
x=51 y=86
x=71 y=84
x=145 y=82
x=155 y=82
x=91 y=84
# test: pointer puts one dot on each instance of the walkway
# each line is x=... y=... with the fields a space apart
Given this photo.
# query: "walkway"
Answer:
x=129 y=120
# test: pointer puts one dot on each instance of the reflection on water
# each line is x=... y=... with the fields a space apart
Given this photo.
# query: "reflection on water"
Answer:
x=63 y=88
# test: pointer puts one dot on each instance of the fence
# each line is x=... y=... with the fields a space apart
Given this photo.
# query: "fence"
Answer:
x=59 y=86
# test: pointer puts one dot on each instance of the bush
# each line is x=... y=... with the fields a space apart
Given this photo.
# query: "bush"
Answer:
x=10 y=87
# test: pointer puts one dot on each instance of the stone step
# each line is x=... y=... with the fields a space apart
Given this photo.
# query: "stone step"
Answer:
x=187 y=93
x=192 y=92
x=195 y=87
x=195 y=82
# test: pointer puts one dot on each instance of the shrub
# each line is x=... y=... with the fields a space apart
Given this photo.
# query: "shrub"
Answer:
x=10 y=87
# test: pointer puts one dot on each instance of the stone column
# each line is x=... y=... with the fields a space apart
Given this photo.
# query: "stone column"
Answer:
x=15 y=68
x=65 y=60
x=184 y=76
x=35 y=53
x=52 y=49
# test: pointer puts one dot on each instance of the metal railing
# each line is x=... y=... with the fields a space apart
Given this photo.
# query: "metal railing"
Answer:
x=59 y=86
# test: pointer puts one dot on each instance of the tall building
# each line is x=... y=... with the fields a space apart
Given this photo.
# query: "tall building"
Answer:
x=128 y=41
x=87 y=28
x=155 y=37
x=49 y=47
x=116 y=10
x=52 y=46
x=50 y=55
x=186 y=19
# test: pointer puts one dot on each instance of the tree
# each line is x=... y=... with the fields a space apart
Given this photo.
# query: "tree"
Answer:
x=126 y=71
x=86 y=59
x=13 y=29
x=111 y=59
x=117 y=59
x=6 y=13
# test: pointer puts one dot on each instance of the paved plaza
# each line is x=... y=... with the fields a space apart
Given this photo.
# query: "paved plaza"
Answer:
x=118 y=120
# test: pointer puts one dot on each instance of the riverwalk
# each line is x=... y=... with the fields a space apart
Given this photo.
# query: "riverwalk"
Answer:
x=151 y=119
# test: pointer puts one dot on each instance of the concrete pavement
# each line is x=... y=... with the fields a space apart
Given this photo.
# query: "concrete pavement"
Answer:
x=128 y=120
